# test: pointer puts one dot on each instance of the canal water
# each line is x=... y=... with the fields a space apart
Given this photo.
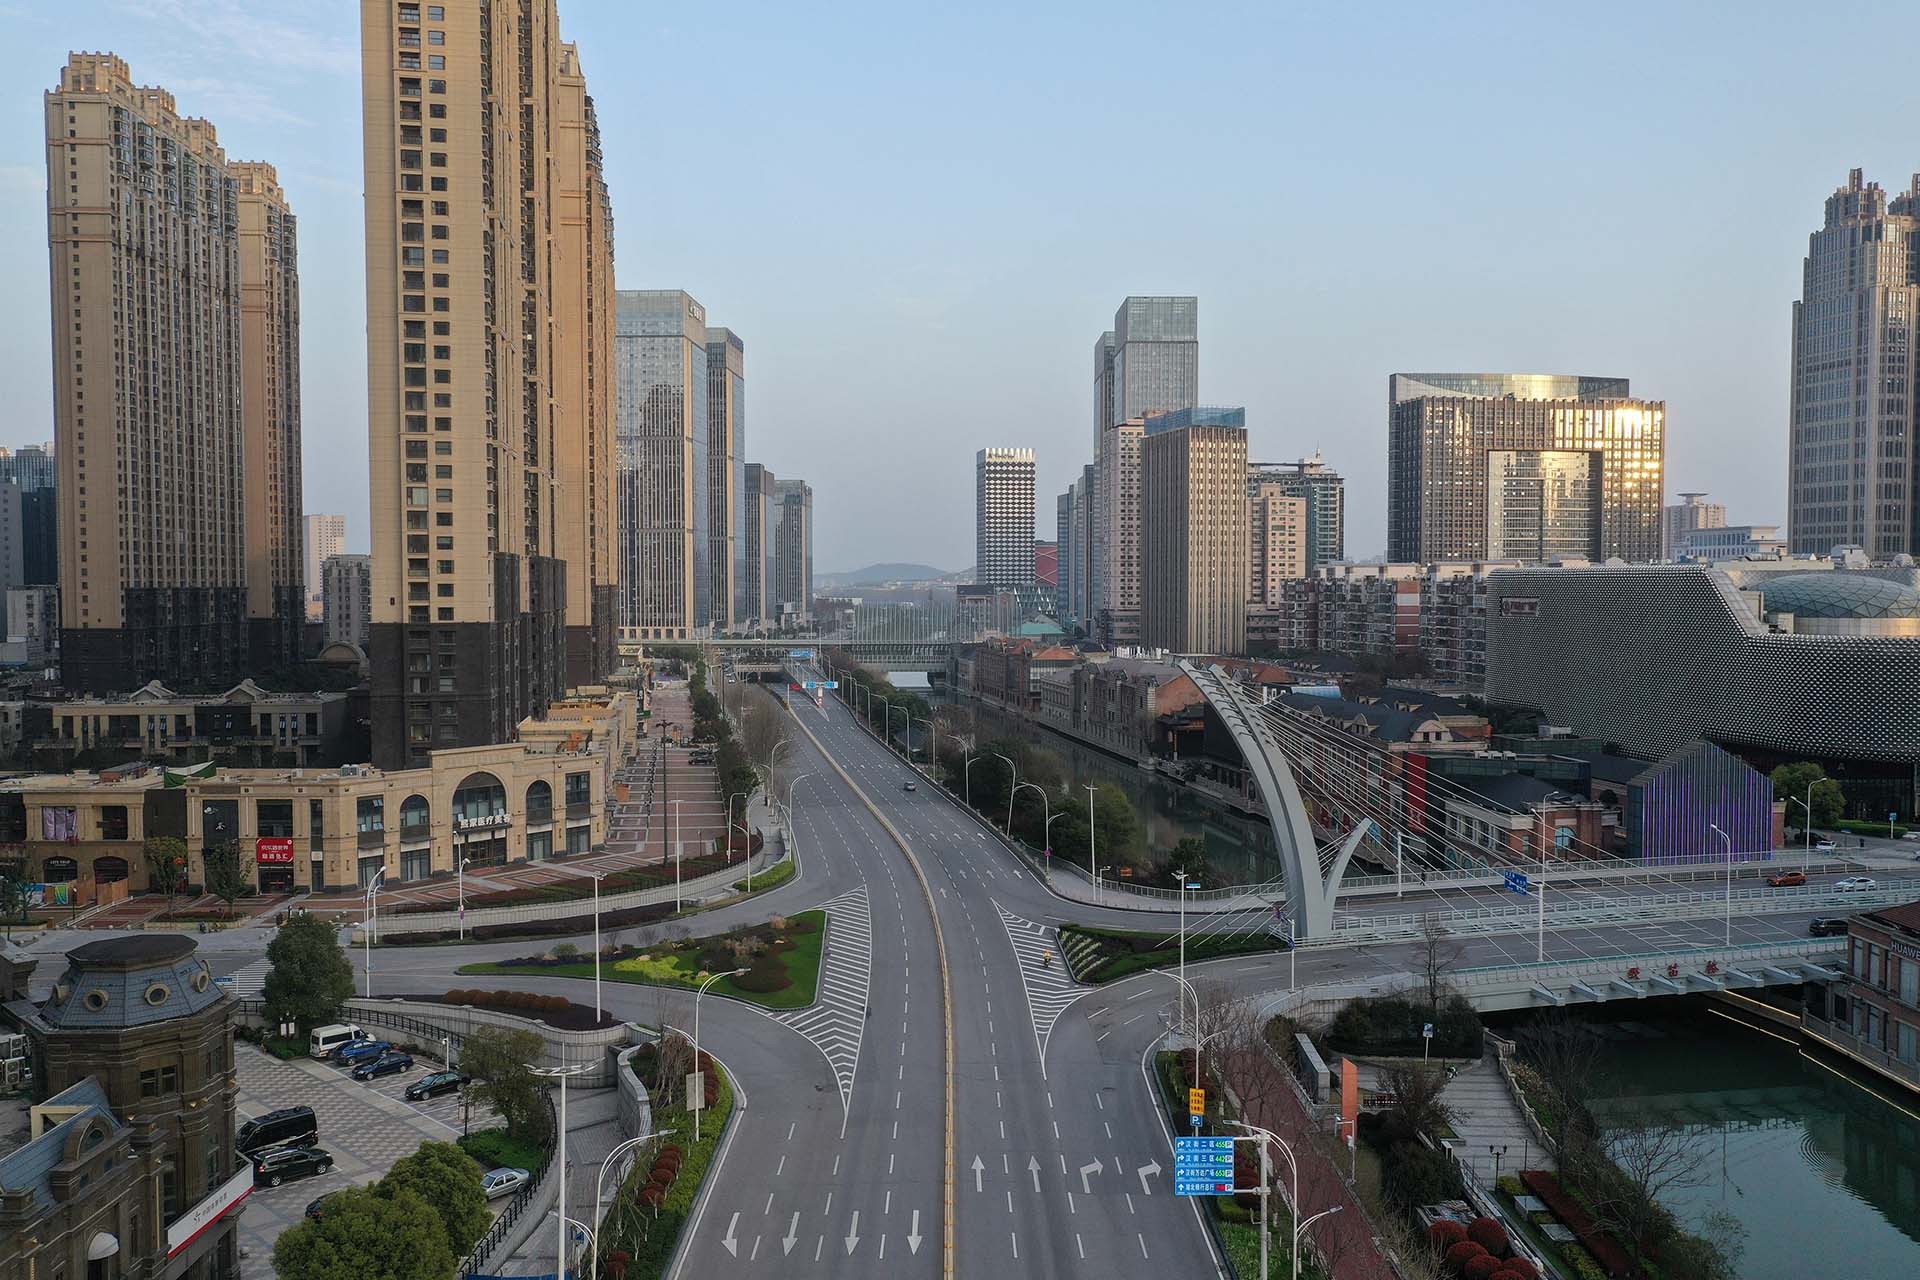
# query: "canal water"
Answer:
x=1821 y=1169
x=1240 y=850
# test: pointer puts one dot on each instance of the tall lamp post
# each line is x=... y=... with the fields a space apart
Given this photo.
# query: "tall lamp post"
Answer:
x=1046 y=807
x=1807 y=804
x=1293 y=1201
x=562 y=1074
x=730 y=799
x=696 y=1039
x=1091 y=868
x=1016 y=786
x=1729 y=843
x=967 y=778
x=933 y=740
x=598 y=876
x=676 y=853
x=372 y=922
x=600 y=1185
x=1181 y=874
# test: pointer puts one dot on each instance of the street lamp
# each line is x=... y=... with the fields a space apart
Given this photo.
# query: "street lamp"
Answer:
x=1293 y=1202
x=1016 y=786
x=967 y=778
x=730 y=800
x=1090 y=866
x=1300 y=1228
x=600 y=1185
x=562 y=1074
x=598 y=876
x=676 y=852
x=460 y=883
x=1807 y=804
x=933 y=747
x=696 y=1042
x=1181 y=874
x=1729 y=842
x=372 y=922
x=593 y=1245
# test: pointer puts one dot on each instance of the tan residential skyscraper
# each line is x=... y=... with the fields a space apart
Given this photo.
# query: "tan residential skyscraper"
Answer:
x=1277 y=533
x=270 y=413
x=480 y=154
x=1194 y=542
x=1116 y=604
x=583 y=376
x=176 y=369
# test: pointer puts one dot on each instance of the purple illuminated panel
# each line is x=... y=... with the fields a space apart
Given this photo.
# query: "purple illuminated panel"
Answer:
x=1674 y=806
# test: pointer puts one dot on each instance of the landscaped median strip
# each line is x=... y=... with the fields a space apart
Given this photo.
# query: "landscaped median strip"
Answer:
x=1102 y=955
x=646 y=1225
x=791 y=951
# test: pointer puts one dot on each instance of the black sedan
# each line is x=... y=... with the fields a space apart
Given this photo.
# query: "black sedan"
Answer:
x=436 y=1084
x=387 y=1064
x=284 y=1164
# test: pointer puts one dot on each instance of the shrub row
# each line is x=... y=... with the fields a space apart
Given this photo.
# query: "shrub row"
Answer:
x=1605 y=1249
x=525 y=1000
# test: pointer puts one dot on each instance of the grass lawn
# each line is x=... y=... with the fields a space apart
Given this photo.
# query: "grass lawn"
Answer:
x=781 y=873
x=680 y=965
x=494 y=1149
x=1102 y=955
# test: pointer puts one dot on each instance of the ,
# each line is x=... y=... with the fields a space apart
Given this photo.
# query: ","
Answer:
x=387 y=1064
x=289 y=1126
x=434 y=1085
x=1827 y=927
x=1853 y=883
x=361 y=1051
x=1786 y=879
x=323 y=1042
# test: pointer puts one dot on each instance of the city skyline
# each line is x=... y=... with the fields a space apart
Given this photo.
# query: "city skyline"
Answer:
x=273 y=83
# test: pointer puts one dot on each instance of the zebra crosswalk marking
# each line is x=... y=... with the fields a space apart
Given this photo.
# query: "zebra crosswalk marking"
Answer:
x=836 y=1022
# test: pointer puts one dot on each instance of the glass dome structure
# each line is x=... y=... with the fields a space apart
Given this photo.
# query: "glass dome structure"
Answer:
x=1839 y=595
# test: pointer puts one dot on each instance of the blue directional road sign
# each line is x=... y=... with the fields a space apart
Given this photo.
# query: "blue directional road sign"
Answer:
x=801 y=653
x=1516 y=881
x=819 y=684
x=1202 y=1166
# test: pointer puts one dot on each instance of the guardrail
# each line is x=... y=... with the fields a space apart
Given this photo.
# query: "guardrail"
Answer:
x=482 y=1251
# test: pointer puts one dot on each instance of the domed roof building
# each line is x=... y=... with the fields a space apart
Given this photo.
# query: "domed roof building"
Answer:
x=1834 y=603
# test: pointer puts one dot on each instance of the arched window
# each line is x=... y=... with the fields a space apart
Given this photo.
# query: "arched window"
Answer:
x=480 y=796
x=415 y=816
x=539 y=802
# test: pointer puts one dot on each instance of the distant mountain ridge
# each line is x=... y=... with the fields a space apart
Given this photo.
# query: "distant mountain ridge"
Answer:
x=876 y=574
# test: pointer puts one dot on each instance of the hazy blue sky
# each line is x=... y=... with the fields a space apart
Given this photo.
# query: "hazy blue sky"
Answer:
x=920 y=221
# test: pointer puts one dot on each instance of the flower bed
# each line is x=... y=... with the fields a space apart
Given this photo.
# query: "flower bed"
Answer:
x=1606 y=1251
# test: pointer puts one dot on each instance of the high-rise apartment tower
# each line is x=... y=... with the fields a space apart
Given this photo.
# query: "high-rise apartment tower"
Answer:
x=1003 y=517
x=1515 y=466
x=757 y=526
x=1194 y=559
x=1325 y=494
x=793 y=550
x=326 y=535
x=726 y=475
x=1691 y=513
x=1853 y=473
x=482 y=268
x=660 y=358
x=175 y=353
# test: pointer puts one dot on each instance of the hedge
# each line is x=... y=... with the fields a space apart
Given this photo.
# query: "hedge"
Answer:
x=1606 y=1251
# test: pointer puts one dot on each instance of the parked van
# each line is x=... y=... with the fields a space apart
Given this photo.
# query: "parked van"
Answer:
x=289 y=1126
x=330 y=1037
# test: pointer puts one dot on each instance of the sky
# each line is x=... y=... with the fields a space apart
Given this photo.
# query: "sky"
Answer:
x=920 y=218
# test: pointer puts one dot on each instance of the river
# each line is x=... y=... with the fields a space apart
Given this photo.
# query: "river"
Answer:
x=1820 y=1169
x=1240 y=850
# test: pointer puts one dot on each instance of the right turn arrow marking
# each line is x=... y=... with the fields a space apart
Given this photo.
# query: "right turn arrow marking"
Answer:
x=1143 y=1171
x=1086 y=1170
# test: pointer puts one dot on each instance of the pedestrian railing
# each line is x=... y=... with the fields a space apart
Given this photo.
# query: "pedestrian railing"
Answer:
x=476 y=1261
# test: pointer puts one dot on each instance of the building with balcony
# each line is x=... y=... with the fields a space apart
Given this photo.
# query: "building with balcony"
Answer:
x=1872 y=1017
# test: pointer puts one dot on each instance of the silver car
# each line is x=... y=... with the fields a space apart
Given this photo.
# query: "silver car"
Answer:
x=1854 y=882
x=503 y=1182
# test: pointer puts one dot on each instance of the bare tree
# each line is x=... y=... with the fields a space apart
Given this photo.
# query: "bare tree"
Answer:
x=1652 y=1157
x=672 y=1017
x=1438 y=954
x=1417 y=1105
x=762 y=729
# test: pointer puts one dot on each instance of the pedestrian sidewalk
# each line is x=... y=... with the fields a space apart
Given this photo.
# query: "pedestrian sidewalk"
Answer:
x=593 y=1130
x=1488 y=1121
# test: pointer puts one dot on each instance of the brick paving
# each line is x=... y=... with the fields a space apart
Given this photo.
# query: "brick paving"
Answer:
x=365 y=1127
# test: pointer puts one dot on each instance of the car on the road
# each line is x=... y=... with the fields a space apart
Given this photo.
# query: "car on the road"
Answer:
x=911 y=786
x=287 y=1127
x=387 y=1064
x=1911 y=835
x=1786 y=879
x=1848 y=884
x=317 y=1207
x=284 y=1164
x=503 y=1182
x=361 y=1051
x=1828 y=927
x=432 y=1086
x=1825 y=846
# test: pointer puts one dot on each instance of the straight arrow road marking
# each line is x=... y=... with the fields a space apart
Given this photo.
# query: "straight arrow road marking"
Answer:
x=728 y=1241
x=978 y=1166
x=913 y=1236
x=853 y=1233
x=1033 y=1167
x=1143 y=1171
x=793 y=1235
x=1086 y=1187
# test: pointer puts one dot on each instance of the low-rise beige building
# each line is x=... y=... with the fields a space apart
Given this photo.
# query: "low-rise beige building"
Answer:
x=542 y=797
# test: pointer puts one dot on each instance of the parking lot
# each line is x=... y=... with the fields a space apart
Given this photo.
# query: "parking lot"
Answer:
x=365 y=1127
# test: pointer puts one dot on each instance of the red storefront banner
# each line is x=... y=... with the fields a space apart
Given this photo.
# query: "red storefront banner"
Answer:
x=273 y=850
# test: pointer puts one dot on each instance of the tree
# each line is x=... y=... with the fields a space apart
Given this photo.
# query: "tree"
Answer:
x=1189 y=855
x=370 y=1236
x=1791 y=783
x=1417 y=1105
x=447 y=1179
x=500 y=1062
x=166 y=858
x=308 y=975
x=229 y=872
x=1653 y=1158
x=1438 y=954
